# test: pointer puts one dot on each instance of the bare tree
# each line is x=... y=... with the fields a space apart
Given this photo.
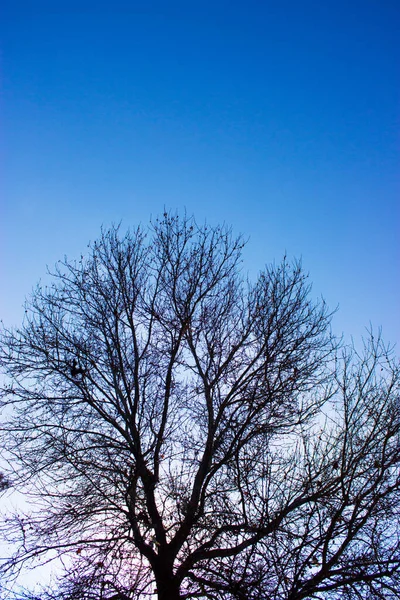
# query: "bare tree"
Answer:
x=180 y=431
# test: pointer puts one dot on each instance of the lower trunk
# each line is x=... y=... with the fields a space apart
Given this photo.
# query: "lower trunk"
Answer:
x=168 y=590
x=166 y=583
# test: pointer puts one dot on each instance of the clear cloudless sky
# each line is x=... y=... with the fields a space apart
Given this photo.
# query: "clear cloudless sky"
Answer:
x=280 y=118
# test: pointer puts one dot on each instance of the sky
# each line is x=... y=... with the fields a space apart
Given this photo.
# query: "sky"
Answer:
x=280 y=119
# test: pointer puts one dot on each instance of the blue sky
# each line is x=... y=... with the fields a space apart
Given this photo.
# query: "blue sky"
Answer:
x=279 y=118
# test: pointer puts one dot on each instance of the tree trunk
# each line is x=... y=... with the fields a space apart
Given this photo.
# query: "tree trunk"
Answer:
x=166 y=583
x=168 y=590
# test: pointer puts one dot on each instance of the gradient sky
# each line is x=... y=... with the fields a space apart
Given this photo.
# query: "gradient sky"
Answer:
x=279 y=118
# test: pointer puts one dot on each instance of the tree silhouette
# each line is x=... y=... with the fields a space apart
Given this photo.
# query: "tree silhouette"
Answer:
x=182 y=432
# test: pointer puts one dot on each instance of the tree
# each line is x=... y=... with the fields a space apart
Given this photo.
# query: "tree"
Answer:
x=181 y=431
x=4 y=483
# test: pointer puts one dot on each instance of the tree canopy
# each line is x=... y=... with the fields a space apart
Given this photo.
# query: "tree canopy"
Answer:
x=182 y=432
